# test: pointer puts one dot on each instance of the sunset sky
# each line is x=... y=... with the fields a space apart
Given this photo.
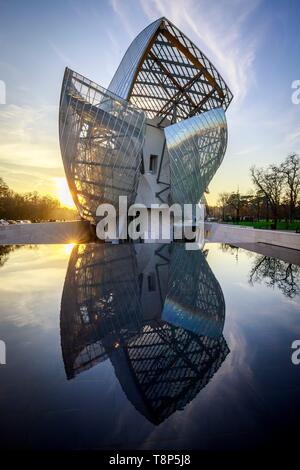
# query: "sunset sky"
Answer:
x=254 y=44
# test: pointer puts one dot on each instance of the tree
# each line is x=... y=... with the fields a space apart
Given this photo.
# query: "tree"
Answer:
x=234 y=200
x=4 y=190
x=223 y=202
x=238 y=202
x=275 y=272
x=31 y=206
x=290 y=169
x=270 y=181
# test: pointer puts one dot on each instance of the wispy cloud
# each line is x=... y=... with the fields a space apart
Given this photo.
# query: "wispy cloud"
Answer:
x=60 y=53
x=124 y=11
x=284 y=126
x=247 y=151
x=294 y=137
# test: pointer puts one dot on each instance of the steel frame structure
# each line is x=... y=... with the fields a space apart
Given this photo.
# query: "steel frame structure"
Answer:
x=164 y=73
x=163 y=80
x=170 y=355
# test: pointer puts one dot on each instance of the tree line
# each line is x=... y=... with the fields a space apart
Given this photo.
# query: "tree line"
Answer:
x=31 y=206
x=276 y=195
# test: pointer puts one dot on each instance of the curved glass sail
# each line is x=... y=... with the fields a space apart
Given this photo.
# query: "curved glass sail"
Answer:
x=164 y=73
x=122 y=80
x=116 y=305
x=100 y=298
x=196 y=149
x=101 y=139
x=194 y=300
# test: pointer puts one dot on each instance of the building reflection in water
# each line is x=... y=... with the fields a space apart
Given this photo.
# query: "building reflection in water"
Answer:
x=155 y=311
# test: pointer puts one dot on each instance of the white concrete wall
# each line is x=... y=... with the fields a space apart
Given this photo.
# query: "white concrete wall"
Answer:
x=287 y=255
x=48 y=232
x=148 y=186
x=147 y=265
x=224 y=233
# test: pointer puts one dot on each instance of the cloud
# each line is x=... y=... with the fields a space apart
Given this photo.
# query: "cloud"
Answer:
x=21 y=126
x=247 y=151
x=124 y=11
x=60 y=53
x=40 y=269
x=293 y=137
x=284 y=126
x=29 y=149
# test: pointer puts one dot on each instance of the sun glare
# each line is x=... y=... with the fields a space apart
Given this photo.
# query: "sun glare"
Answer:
x=63 y=192
x=68 y=248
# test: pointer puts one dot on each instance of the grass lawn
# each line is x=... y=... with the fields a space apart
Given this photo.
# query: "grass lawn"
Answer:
x=281 y=224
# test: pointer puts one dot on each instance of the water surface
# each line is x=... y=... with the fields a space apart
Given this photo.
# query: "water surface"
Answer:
x=147 y=347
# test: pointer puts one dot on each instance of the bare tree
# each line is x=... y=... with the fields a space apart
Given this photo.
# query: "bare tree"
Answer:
x=270 y=181
x=223 y=203
x=235 y=201
x=4 y=191
x=238 y=201
x=253 y=202
x=290 y=168
x=275 y=272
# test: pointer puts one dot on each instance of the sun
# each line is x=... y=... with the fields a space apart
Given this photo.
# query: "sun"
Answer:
x=68 y=248
x=63 y=192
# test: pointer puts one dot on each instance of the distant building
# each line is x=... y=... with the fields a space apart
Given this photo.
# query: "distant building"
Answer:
x=157 y=134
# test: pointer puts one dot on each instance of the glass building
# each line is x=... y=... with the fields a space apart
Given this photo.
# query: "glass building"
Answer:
x=155 y=311
x=157 y=134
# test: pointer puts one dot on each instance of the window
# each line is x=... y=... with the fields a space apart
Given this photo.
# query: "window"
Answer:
x=153 y=163
x=84 y=314
x=151 y=282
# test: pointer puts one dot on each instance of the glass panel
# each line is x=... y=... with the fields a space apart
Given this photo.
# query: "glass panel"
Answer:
x=196 y=148
x=162 y=356
x=101 y=138
x=123 y=78
x=162 y=68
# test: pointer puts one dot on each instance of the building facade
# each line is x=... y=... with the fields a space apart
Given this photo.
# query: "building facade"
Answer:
x=158 y=133
x=155 y=311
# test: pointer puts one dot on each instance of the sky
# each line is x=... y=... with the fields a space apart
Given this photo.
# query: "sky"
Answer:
x=254 y=44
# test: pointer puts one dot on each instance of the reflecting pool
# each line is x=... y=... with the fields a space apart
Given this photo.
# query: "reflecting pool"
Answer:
x=148 y=347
